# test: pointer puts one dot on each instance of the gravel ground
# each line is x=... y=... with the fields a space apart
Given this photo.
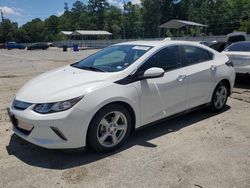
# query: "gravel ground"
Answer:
x=199 y=149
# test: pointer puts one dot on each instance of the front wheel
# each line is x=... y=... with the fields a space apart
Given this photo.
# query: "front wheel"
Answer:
x=219 y=98
x=109 y=128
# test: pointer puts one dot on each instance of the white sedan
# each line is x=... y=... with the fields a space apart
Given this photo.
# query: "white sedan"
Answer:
x=239 y=54
x=99 y=100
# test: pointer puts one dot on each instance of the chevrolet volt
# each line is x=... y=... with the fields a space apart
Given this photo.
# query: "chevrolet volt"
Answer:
x=99 y=100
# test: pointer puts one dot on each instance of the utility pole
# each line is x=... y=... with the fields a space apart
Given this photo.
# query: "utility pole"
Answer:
x=1 y=14
x=3 y=26
x=66 y=7
x=124 y=24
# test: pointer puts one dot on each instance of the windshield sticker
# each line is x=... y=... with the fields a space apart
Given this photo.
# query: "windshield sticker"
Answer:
x=119 y=67
x=145 y=48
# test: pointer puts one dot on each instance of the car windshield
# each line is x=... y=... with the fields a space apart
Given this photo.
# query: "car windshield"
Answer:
x=239 y=47
x=113 y=59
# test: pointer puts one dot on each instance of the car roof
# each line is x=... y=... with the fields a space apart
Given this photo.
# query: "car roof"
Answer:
x=159 y=43
x=241 y=42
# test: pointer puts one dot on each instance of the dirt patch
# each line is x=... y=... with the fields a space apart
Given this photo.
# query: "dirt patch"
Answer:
x=10 y=76
x=241 y=90
x=75 y=175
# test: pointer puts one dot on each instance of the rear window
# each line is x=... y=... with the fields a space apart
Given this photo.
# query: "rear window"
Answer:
x=239 y=47
x=195 y=55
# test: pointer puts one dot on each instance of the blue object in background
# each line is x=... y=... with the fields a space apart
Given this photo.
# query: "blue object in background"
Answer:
x=14 y=45
x=75 y=48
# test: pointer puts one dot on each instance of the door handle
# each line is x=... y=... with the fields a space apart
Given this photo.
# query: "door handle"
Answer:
x=213 y=67
x=180 y=78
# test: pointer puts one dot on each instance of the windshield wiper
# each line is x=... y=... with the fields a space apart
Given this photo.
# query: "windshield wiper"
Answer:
x=90 y=68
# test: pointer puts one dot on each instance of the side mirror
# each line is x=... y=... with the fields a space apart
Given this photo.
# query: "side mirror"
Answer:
x=153 y=72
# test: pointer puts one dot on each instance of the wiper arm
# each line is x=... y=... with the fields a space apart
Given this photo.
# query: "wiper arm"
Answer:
x=91 y=68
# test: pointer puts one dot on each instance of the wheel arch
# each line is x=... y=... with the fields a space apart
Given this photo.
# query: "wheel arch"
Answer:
x=227 y=83
x=122 y=103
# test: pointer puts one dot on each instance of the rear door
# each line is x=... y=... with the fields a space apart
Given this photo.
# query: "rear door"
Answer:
x=201 y=68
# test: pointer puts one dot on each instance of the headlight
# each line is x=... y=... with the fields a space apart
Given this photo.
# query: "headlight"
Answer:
x=46 y=108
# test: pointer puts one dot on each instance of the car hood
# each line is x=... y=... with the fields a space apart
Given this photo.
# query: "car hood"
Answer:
x=62 y=84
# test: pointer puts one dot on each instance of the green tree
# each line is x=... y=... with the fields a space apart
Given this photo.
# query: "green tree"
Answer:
x=113 y=21
x=79 y=13
x=151 y=17
x=21 y=35
x=132 y=20
x=65 y=22
x=98 y=8
x=7 y=30
x=35 y=30
x=245 y=26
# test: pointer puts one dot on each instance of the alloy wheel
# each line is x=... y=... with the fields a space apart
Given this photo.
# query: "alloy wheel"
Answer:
x=112 y=129
x=220 y=97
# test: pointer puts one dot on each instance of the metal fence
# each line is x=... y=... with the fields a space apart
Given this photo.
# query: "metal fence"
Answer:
x=108 y=42
x=95 y=43
x=105 y=43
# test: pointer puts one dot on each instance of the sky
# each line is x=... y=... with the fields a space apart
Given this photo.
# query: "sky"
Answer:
x=21 y=11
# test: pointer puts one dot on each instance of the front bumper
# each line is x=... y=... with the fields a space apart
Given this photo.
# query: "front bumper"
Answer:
x=62 y=130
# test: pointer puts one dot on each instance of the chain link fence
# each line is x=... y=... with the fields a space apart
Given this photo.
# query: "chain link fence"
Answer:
x=107 y=42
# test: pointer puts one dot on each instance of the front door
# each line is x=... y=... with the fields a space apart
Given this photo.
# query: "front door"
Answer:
x=164 y=96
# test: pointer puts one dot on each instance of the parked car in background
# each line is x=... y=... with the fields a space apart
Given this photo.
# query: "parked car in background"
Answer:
x=231 y=38
x=14 y=45
x=236 y=37
x=2 y=45
x=37 y=46
x=207 y=43
x=216 y=45
x=50 y=44
x=219 y=46
x=239 y=54
x=99 y=100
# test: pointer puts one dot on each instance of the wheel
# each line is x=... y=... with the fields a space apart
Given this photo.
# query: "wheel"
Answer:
x=219 y=98
x=109 y=128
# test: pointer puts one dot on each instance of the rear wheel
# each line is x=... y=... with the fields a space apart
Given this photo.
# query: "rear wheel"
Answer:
x=219 y=98
x=110 y=128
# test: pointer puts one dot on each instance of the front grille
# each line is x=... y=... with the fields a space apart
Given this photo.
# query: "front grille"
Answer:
x=20 y=105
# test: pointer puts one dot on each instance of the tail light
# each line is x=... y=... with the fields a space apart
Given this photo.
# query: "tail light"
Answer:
x=229 y=63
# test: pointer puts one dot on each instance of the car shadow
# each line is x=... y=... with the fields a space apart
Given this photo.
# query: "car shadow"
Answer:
x=242 y=81
x=56 y=159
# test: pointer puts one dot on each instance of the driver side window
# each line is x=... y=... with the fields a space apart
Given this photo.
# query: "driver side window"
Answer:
x=167 y=59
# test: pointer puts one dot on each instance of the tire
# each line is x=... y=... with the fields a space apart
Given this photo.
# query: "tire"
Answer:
x=219 y=98
x=110 y=134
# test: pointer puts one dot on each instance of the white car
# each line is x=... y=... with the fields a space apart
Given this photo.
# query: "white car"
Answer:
x=99 y=100
x=239 y=54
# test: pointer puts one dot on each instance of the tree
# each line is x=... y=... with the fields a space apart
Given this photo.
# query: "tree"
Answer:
x=35 y=30
x=51 y=24
x=79 y=11
x=98 y=8
x=245 y=26
x=113 y=21
x=151 y=17
x=7 y=29
x=21 y=35
x=132 y=20
x=65 y=23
